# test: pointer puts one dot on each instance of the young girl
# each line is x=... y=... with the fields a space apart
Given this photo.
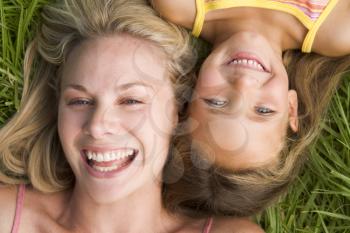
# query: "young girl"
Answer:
x=91 y=137
x=260 y=96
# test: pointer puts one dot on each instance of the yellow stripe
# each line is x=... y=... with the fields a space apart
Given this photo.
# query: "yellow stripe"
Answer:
x=310 y=37
x=265 y=4
x=200 y=16
x=203 y=8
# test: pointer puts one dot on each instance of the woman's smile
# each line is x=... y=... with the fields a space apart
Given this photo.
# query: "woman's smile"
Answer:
x=110 y=113
x=107 y=164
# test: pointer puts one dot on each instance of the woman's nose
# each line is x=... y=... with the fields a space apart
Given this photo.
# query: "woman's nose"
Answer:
x=101 y=122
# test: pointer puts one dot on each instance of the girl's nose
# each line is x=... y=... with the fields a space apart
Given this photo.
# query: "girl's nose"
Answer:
x=244 y=82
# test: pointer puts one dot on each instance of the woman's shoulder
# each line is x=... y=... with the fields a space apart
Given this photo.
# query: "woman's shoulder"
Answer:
x=8 y=196
x=36 y=207
x=235 y=225
x=41 y=205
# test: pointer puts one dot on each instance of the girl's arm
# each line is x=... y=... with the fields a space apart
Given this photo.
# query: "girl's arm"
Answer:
x=181 y=12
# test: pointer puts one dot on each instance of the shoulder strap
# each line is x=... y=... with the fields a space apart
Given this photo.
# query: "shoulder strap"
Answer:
x=208 y=225
x=19 y=206
x=200 y=16
x=310 y=36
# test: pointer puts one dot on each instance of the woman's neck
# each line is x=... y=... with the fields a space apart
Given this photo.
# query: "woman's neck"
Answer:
x=141 y=211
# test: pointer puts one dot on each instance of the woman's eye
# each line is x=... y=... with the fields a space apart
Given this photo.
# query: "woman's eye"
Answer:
x=216 y=103
x=80 y=102
x=131 y=102
x=264 y=110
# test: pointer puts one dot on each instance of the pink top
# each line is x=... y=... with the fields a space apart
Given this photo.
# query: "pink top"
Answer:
x=19 y=207
x=207 y=226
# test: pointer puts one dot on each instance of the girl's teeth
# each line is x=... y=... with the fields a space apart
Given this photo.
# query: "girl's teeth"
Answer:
x=251 y=63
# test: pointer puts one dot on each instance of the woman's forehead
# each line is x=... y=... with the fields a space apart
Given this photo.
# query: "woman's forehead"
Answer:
x=135 y=60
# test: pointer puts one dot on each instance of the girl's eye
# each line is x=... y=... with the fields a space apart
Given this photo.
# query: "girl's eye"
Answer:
x=80 y=102
x=264 y=111
x=216 y=103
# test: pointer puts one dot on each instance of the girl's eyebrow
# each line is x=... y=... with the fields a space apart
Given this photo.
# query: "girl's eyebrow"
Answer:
x=261 y=119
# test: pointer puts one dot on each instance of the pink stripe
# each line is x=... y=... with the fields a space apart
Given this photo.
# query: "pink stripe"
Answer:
x=19 y=206
x=309 y=3
x=312 y=9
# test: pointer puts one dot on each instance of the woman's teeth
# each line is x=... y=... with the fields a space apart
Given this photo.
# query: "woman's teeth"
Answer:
x=110 y=161
x=109 y=156
x=106 y=169
x=247 y=62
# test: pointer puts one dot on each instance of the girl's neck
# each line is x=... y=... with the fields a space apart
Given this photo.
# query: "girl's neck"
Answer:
x=282 y=30
x=141 y=211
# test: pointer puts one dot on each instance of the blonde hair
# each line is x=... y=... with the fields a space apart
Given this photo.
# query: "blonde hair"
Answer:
x=210 y=190
x=30 y=150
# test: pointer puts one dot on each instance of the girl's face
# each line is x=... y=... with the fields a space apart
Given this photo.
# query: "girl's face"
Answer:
x=116 y=114
x=241 y=104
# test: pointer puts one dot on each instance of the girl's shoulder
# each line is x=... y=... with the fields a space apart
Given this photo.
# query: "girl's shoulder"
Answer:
x=8 y=196
x=234 y=225
x=332 y=38
x=181 y=12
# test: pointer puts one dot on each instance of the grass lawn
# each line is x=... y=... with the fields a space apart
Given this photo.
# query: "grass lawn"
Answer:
x=318 y=202
x=320 y=199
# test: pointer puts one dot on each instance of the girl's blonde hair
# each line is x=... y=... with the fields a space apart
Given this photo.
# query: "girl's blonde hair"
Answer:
x=207 y=190
x=30 y=150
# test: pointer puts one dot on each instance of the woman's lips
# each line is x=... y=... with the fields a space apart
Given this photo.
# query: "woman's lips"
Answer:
x=109 y=163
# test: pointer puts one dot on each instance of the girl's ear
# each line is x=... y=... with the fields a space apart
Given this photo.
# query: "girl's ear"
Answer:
x=293 y=110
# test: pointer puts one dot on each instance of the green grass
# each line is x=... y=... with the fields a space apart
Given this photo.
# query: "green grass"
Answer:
x=320 y=199
x=318 y=202
x=18 y=23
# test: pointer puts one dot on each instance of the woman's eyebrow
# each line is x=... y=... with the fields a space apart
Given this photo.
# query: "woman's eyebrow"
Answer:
x=122 y=87
x=127 y=86
x=74 y=86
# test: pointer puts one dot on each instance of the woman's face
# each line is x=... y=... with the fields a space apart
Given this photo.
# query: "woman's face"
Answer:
x=116 y=114
x=241 y=105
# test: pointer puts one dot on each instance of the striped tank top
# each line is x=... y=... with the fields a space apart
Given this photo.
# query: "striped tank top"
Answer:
x=311 y=13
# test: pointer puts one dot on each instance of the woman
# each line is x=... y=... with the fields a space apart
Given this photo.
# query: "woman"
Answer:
x=259 y=98
x=90 y=140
